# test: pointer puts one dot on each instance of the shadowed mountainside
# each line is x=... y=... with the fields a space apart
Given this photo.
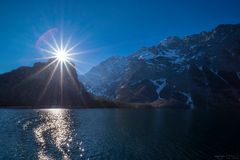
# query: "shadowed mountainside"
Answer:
x=45 y=85
x=200 y=70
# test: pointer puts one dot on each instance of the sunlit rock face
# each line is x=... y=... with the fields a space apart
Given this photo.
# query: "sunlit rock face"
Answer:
x=46 y=83
x=196 y=70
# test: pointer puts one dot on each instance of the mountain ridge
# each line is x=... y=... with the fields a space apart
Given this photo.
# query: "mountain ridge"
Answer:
x=40 y=86
x=166 y=71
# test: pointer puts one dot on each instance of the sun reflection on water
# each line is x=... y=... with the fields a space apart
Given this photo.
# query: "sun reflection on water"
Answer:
x=55 y=132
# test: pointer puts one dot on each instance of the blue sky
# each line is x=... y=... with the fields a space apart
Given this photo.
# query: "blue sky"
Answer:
x=105 y=28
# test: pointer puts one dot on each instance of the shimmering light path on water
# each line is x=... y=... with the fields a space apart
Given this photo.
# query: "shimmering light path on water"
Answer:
x=118 y=134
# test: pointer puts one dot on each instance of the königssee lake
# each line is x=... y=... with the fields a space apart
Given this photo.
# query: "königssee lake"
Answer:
x=119 y=134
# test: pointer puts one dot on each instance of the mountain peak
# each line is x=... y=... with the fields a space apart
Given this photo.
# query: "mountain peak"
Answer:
x=171 y=41
x=227 y=27
x=167 y=70
x=46 y=83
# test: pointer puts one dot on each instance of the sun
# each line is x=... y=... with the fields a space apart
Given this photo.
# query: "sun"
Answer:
x=62 y=56
x=58 y=49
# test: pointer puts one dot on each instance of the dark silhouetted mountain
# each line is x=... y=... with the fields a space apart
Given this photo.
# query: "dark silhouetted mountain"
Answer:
x=46 y=84
x=201 y=70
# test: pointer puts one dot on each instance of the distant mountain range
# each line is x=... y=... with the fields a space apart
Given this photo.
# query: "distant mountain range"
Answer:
x=200 y=70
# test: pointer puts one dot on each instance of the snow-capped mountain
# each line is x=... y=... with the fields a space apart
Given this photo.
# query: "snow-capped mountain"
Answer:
x=197 y=70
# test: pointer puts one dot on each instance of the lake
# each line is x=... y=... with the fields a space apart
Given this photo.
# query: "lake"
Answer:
x=119 y=134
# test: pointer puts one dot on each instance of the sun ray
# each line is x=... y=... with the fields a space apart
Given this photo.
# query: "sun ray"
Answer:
x=73 y=47
x=49 y=80
x=73 y=80
x=78 y=61
x=71 y=76
x=49 y=45
x=68 y=63
x=67 y=44
x=47 y=66
x=55 y=42
x=47 y=51
x=35 y=74
x=61 y=83
x=62 y=54
x=44 y=58
x=61 y=40
x=85 y=51
x=76 y=53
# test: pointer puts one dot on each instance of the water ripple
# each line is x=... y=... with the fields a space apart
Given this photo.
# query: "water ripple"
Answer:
x=55 y=132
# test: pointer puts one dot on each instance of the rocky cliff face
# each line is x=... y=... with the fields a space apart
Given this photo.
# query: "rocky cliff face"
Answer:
x=42 y=85
x=201 y=70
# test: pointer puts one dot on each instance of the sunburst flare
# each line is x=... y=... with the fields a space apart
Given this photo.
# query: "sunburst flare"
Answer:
x=62 y=54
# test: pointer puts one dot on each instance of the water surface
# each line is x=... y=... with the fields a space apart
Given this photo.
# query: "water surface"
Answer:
x=119 y=134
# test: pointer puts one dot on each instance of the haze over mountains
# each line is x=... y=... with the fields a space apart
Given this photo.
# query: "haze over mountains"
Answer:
x=200 y=70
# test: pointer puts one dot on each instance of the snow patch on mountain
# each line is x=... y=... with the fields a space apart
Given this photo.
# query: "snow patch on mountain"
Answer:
x=160 y=83
x=98 y=92
x=146 y=55
x=171 y=53
x=193 y=46
x=189 y=101
x=171 y=59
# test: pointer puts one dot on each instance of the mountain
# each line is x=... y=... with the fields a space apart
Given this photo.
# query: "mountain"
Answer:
x=200 y=70
x=42 y=86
